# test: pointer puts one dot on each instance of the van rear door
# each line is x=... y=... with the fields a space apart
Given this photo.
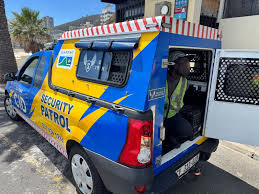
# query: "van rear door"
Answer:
x=233 y=102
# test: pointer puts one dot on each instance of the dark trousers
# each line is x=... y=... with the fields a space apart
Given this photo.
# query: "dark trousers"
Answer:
x=177 y=129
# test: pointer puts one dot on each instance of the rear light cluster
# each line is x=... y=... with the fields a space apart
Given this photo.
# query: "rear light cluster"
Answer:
x=137 y=151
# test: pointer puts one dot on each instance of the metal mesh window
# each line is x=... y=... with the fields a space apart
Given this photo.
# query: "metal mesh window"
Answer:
x=119 y=66
x=238 y=80
x=199 y=62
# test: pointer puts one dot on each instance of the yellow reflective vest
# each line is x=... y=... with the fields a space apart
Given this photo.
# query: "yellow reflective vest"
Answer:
x=176 y=99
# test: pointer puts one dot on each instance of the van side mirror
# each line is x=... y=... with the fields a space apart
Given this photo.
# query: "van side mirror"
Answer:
x=10 y=76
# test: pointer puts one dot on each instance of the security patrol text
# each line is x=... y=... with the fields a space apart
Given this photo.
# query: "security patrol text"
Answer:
x=53 y=115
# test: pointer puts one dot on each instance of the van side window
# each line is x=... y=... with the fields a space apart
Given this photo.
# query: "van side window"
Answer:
x=26 y=74
x=39 y=72
x=104 y=66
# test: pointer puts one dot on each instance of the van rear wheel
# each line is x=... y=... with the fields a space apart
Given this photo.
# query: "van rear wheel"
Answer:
x=85 y=175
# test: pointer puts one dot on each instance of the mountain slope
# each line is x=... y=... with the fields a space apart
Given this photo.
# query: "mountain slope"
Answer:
x=93 y=19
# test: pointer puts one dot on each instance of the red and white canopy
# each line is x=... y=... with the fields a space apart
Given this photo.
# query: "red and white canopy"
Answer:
x=159 y=23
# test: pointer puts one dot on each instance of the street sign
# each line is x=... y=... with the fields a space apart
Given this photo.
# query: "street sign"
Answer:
x=180 y=10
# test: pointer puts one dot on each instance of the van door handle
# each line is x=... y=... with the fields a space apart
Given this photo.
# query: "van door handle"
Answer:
x=71 y=94
x=117 y=108
x=90 y=100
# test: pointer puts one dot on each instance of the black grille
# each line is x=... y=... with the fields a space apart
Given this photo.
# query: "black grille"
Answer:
x=116 y=77
x=198 y=75
x=120 y=61
x=238 y=80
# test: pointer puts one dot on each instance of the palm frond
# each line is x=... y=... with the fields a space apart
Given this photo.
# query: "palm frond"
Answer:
x=27 y=28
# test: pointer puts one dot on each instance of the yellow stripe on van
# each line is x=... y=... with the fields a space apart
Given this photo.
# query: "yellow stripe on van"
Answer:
x=87 y=122
x=11 y=94
x=201 y=140
x=145 y=39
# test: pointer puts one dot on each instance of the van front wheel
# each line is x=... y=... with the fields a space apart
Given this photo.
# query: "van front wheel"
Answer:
x=9 y=108
x=85 y=176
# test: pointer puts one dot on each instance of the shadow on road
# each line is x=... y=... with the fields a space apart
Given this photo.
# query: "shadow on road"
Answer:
x=212 y=180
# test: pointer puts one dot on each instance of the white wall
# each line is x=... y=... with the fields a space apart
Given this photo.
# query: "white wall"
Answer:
x=194 y=11
x=240 y=32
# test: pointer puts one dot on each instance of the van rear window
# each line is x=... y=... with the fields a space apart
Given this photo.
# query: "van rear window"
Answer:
x=109 y=67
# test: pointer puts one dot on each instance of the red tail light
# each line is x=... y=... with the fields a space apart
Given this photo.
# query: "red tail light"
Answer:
x=137 y=151
x=140 y=189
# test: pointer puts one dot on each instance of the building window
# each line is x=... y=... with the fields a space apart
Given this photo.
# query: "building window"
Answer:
x=239 y=8
x=130 y=10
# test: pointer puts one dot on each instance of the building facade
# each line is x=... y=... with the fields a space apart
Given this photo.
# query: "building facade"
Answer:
x=106 y=15
x=238 y=19
x=240 y=24
x=48 y=22
x=87 y=25
x=196 y=11
x=128 y=9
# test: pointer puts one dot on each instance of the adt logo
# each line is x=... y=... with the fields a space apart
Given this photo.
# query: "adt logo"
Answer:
x=20 y=103
x=66 y=58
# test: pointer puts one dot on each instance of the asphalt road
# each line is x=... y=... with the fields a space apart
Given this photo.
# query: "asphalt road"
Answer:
x=29 y=164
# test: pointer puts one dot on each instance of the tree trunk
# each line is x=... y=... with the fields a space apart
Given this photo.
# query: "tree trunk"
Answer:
x=7 y=59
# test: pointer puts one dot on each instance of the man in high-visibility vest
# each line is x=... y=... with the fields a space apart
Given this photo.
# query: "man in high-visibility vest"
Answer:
x=176 y=86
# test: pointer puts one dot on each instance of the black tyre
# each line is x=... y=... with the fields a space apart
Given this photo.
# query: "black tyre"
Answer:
x=85 y=176
x=9 y=108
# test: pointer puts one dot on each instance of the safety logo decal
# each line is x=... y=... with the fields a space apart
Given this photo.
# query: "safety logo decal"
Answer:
x=66 y=58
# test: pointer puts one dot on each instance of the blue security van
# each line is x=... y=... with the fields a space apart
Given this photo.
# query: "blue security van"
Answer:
x=98 y=97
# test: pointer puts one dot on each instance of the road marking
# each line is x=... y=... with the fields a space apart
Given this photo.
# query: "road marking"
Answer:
x=38 y=166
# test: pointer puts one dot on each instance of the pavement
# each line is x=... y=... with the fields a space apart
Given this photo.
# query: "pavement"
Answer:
x=250 y=151
x=21 y=57
x=29 y=164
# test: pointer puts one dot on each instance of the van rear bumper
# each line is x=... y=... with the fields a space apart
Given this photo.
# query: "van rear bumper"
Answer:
x=166 y=179
x=121 y=179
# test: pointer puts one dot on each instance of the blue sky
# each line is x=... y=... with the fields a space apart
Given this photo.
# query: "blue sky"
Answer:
x=61 y=10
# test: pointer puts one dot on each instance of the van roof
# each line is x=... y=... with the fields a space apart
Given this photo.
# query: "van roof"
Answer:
x=159 y=23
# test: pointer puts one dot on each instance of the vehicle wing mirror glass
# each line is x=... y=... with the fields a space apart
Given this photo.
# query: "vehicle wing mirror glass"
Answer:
x=9 y=77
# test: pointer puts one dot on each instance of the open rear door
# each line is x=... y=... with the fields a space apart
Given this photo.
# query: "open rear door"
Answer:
x=233 y=104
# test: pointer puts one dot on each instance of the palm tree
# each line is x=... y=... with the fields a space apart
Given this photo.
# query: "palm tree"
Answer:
x=27 y=29
x=7 y=60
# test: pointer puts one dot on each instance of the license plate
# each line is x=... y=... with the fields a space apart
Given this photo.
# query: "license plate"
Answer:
x=186 y=167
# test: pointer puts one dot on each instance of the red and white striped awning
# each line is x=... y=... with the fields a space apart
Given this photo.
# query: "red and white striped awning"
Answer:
x=159 y=23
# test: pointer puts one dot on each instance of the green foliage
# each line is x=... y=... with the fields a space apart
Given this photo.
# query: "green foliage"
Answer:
x=28 y=30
